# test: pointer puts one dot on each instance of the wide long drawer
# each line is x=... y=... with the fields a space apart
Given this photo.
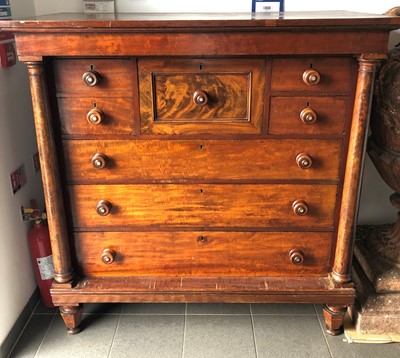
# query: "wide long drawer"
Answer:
x=203 y=205
x=203 y=253
x=181 y=160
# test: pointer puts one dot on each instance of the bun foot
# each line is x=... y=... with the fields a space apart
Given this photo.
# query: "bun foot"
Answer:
x=72 y=316
x=333 y=316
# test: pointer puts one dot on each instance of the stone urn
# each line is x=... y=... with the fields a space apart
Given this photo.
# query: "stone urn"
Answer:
x=384 y=150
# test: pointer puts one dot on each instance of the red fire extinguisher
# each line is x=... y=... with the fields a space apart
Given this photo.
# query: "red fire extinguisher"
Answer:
x=39 y=243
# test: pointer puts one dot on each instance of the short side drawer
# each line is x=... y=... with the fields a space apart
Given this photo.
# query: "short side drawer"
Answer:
x=308 y=115
x=101 y=115
x=106 y=76
x=335 y=74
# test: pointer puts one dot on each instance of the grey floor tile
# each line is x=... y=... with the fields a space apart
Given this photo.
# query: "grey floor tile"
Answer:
x=93 y=341
x=221 y=336
x=218 y=308
x=40 y=308
x=289 y=336
x=318 y=309
x=32 y=337
x=154 y=308
x=339 y=347
x=102 y=308
x=155 y=336
x=282 y=308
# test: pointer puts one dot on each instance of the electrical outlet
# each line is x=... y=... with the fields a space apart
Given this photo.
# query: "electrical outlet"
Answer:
x=18 y=179
x=36 y=162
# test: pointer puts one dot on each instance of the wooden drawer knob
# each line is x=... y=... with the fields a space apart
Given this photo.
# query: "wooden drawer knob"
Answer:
x=308 y=116
x=200 y=98
x=296 y=257
x=103 y=208
x=303 y=161
x=95 y=116
x=108 y=256
x=300 y=207
x=91 y=78
x=99 y=160
x=311 y=77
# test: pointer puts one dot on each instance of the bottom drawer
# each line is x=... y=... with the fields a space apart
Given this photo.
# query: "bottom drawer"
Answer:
x=203 y=253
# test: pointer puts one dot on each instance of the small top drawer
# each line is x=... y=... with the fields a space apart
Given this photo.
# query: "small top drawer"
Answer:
x=315 y=75
x=93 y=76
x=190 y=96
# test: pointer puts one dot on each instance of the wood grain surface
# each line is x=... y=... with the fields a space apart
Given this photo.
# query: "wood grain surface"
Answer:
x=234 y=89
x=203 y=253
x=284 y=115
x=118 y=115
x=335 y=74
x=114 y=75
x=200 y=160
x=198 y=205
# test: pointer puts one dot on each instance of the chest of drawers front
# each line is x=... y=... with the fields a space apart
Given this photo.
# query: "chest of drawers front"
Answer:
x=199 y=186
x=189 y=163
x=191 y=168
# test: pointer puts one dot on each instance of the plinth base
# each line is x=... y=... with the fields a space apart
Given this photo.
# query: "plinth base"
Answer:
x=377 y=305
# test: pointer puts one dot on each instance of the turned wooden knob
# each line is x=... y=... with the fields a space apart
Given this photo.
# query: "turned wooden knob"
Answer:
x=311 y=77
x=95 y=116
x=103 y=208
x=99 y=160
x=308 y=116
x=108 y=256
x=200 y=98
x=296 y=257
x=300 y=207
x=303 y=161
x=91 y=78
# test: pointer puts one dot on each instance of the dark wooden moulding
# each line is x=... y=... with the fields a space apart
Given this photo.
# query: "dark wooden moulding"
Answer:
x=359 y=40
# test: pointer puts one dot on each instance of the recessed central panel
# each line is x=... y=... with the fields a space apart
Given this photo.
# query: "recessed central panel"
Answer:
x=190 y=96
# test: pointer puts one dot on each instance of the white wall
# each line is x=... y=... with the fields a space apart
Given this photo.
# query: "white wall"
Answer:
x=52 y=6
x=17 y=144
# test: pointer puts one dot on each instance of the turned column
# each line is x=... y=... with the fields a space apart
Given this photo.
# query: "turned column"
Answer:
x=340 y=274
x=63 y=272
x=354 y=166
x=50 y=173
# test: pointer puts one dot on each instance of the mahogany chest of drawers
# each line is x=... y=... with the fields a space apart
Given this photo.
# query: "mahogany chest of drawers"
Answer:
x=212 y=158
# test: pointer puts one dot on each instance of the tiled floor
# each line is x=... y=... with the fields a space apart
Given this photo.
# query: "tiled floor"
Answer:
x=191 y=331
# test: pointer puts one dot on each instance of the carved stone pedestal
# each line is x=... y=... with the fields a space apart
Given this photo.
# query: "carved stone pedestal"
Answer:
x=377 y=272
x=377 y=281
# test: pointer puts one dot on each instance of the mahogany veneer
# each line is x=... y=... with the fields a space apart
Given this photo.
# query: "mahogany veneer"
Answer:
x=208 y=159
